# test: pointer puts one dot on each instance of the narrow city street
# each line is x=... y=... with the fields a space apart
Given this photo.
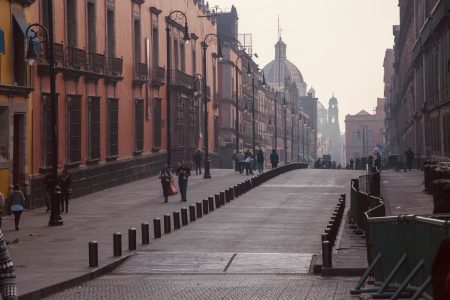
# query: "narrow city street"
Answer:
x=258 y=246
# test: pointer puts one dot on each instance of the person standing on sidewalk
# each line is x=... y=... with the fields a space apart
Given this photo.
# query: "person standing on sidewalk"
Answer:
x=198 y=162
x=166 y=177
x=183 y=172
x=17 y=200
x=8 y=286
x=240 y=161
x=65 y=182
x=274 y=159
x=260 y=161
x=409 y=158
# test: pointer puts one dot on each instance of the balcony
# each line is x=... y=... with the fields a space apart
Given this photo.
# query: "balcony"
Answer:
x=96 y=62
x=114 y=66
x=76 y=58
x=140 y=73
x=158 y=77
x=182 y=80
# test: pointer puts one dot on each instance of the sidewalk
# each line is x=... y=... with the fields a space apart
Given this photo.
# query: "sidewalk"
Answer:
x=49 y=255
x=403 y=194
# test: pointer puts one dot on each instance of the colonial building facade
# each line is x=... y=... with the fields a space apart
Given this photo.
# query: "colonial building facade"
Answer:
x=15 y=96
x=419 y=113
x=112 y=89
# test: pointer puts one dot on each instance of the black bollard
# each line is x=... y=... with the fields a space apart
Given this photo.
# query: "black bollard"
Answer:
x=145 y=233
x=211 y=203
x=222 y=198
x=192 y=212
x=205 y=207
x=117 y=244
x=199 y=209
x=227 y=195
x=326 y=254
x=217 y=200
x=167 y=225
x=231 y=193
x=176 y=220
x=184 y=218
x=132 y=239
x=93 y=254
x=157 y=228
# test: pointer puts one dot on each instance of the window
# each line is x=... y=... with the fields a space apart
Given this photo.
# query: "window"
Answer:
x=20 y=70
x=155 y=47
x=370 y=137
x=112 y=127
x=176 y=55
x=157 y=124
x=111 y=33
x=183 y=57
x=44 y=13
x=139 y=125
x=71 y=22
x=194 y=61
x=4 y=133
x=356 y=136
x=94 y=127
x=137 y=41
x=46 y=136
x=73 y=128
x=91 y=28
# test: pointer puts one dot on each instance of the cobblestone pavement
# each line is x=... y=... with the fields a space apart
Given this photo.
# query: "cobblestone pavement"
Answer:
x=197 y=287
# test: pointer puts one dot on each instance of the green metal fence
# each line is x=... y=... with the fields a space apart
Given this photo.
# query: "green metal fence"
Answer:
x=409 y=242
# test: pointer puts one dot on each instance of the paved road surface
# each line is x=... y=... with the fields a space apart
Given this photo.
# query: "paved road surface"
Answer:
x=257 y=247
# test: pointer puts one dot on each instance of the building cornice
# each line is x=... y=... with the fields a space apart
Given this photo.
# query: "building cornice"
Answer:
x=14 y=90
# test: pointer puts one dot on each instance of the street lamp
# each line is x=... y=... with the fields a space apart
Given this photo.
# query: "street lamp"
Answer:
x=292 y=136
x=34 y=32
x=303 y=141
x=252 y=73
x=178 y=15
x=208 y=38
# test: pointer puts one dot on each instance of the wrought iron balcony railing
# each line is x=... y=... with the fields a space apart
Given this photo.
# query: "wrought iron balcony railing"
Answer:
x=76 y=57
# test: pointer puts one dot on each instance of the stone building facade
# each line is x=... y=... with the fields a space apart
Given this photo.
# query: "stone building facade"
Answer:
x=112 y=92
x=419 y=113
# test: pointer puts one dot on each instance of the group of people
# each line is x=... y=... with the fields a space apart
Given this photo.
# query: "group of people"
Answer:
x=183 y=172
x=246 y=161
x=63 y=189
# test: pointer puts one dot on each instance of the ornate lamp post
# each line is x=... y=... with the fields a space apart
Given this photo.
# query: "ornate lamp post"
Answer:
x=292 y=136
x=35 y=32
x=178 y=15
x=208 y=38
x=252 y=73
x=303 y=140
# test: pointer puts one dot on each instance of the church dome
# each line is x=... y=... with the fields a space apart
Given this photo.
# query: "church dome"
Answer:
x=281 y=68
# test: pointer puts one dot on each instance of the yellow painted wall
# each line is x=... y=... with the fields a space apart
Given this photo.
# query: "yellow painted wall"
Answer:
x=6 y=59
x=4 y=181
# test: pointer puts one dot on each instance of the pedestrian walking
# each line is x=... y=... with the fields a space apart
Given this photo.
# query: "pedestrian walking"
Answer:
x=17 y=200
x=48 y=181
x=165 y=176
x=8 y=286
x=352 y=162
x=65 y=183
x=183 y=172
x=248 y=164
x=260 y=161
x=274 y=159
x=409 y=158
x=240 y=158
x=235 y=161
x=198 y=162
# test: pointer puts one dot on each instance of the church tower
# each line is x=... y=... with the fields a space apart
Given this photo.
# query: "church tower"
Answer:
x=334 y=131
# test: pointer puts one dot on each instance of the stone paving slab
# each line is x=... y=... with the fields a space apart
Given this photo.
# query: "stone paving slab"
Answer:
x=197 y=287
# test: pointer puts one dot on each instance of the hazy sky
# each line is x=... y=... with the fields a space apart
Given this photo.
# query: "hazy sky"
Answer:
x=338 y=45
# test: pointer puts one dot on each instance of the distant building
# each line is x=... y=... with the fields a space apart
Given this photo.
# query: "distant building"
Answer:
x=364 y=132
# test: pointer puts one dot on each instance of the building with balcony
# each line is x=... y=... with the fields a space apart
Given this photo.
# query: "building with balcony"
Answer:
x=112 y=94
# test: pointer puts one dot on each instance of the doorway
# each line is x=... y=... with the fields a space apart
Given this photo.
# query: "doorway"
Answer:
x=19 y=149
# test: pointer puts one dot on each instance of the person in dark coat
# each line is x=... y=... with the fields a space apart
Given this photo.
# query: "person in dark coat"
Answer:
x=65 y=183
x=409 y=158
x=198 y=162
x=274 y=159
x=352 y=162
x=165 y=176
x=440 y=271
x=183 y=172
x=260 y=161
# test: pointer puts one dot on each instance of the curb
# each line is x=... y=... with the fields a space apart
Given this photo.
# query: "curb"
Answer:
x=58 y=287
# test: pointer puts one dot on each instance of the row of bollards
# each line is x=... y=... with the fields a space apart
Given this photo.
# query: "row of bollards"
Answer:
x=331 y=232
x=196 y=211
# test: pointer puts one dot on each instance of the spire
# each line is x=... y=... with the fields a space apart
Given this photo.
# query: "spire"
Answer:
x=280 y=46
